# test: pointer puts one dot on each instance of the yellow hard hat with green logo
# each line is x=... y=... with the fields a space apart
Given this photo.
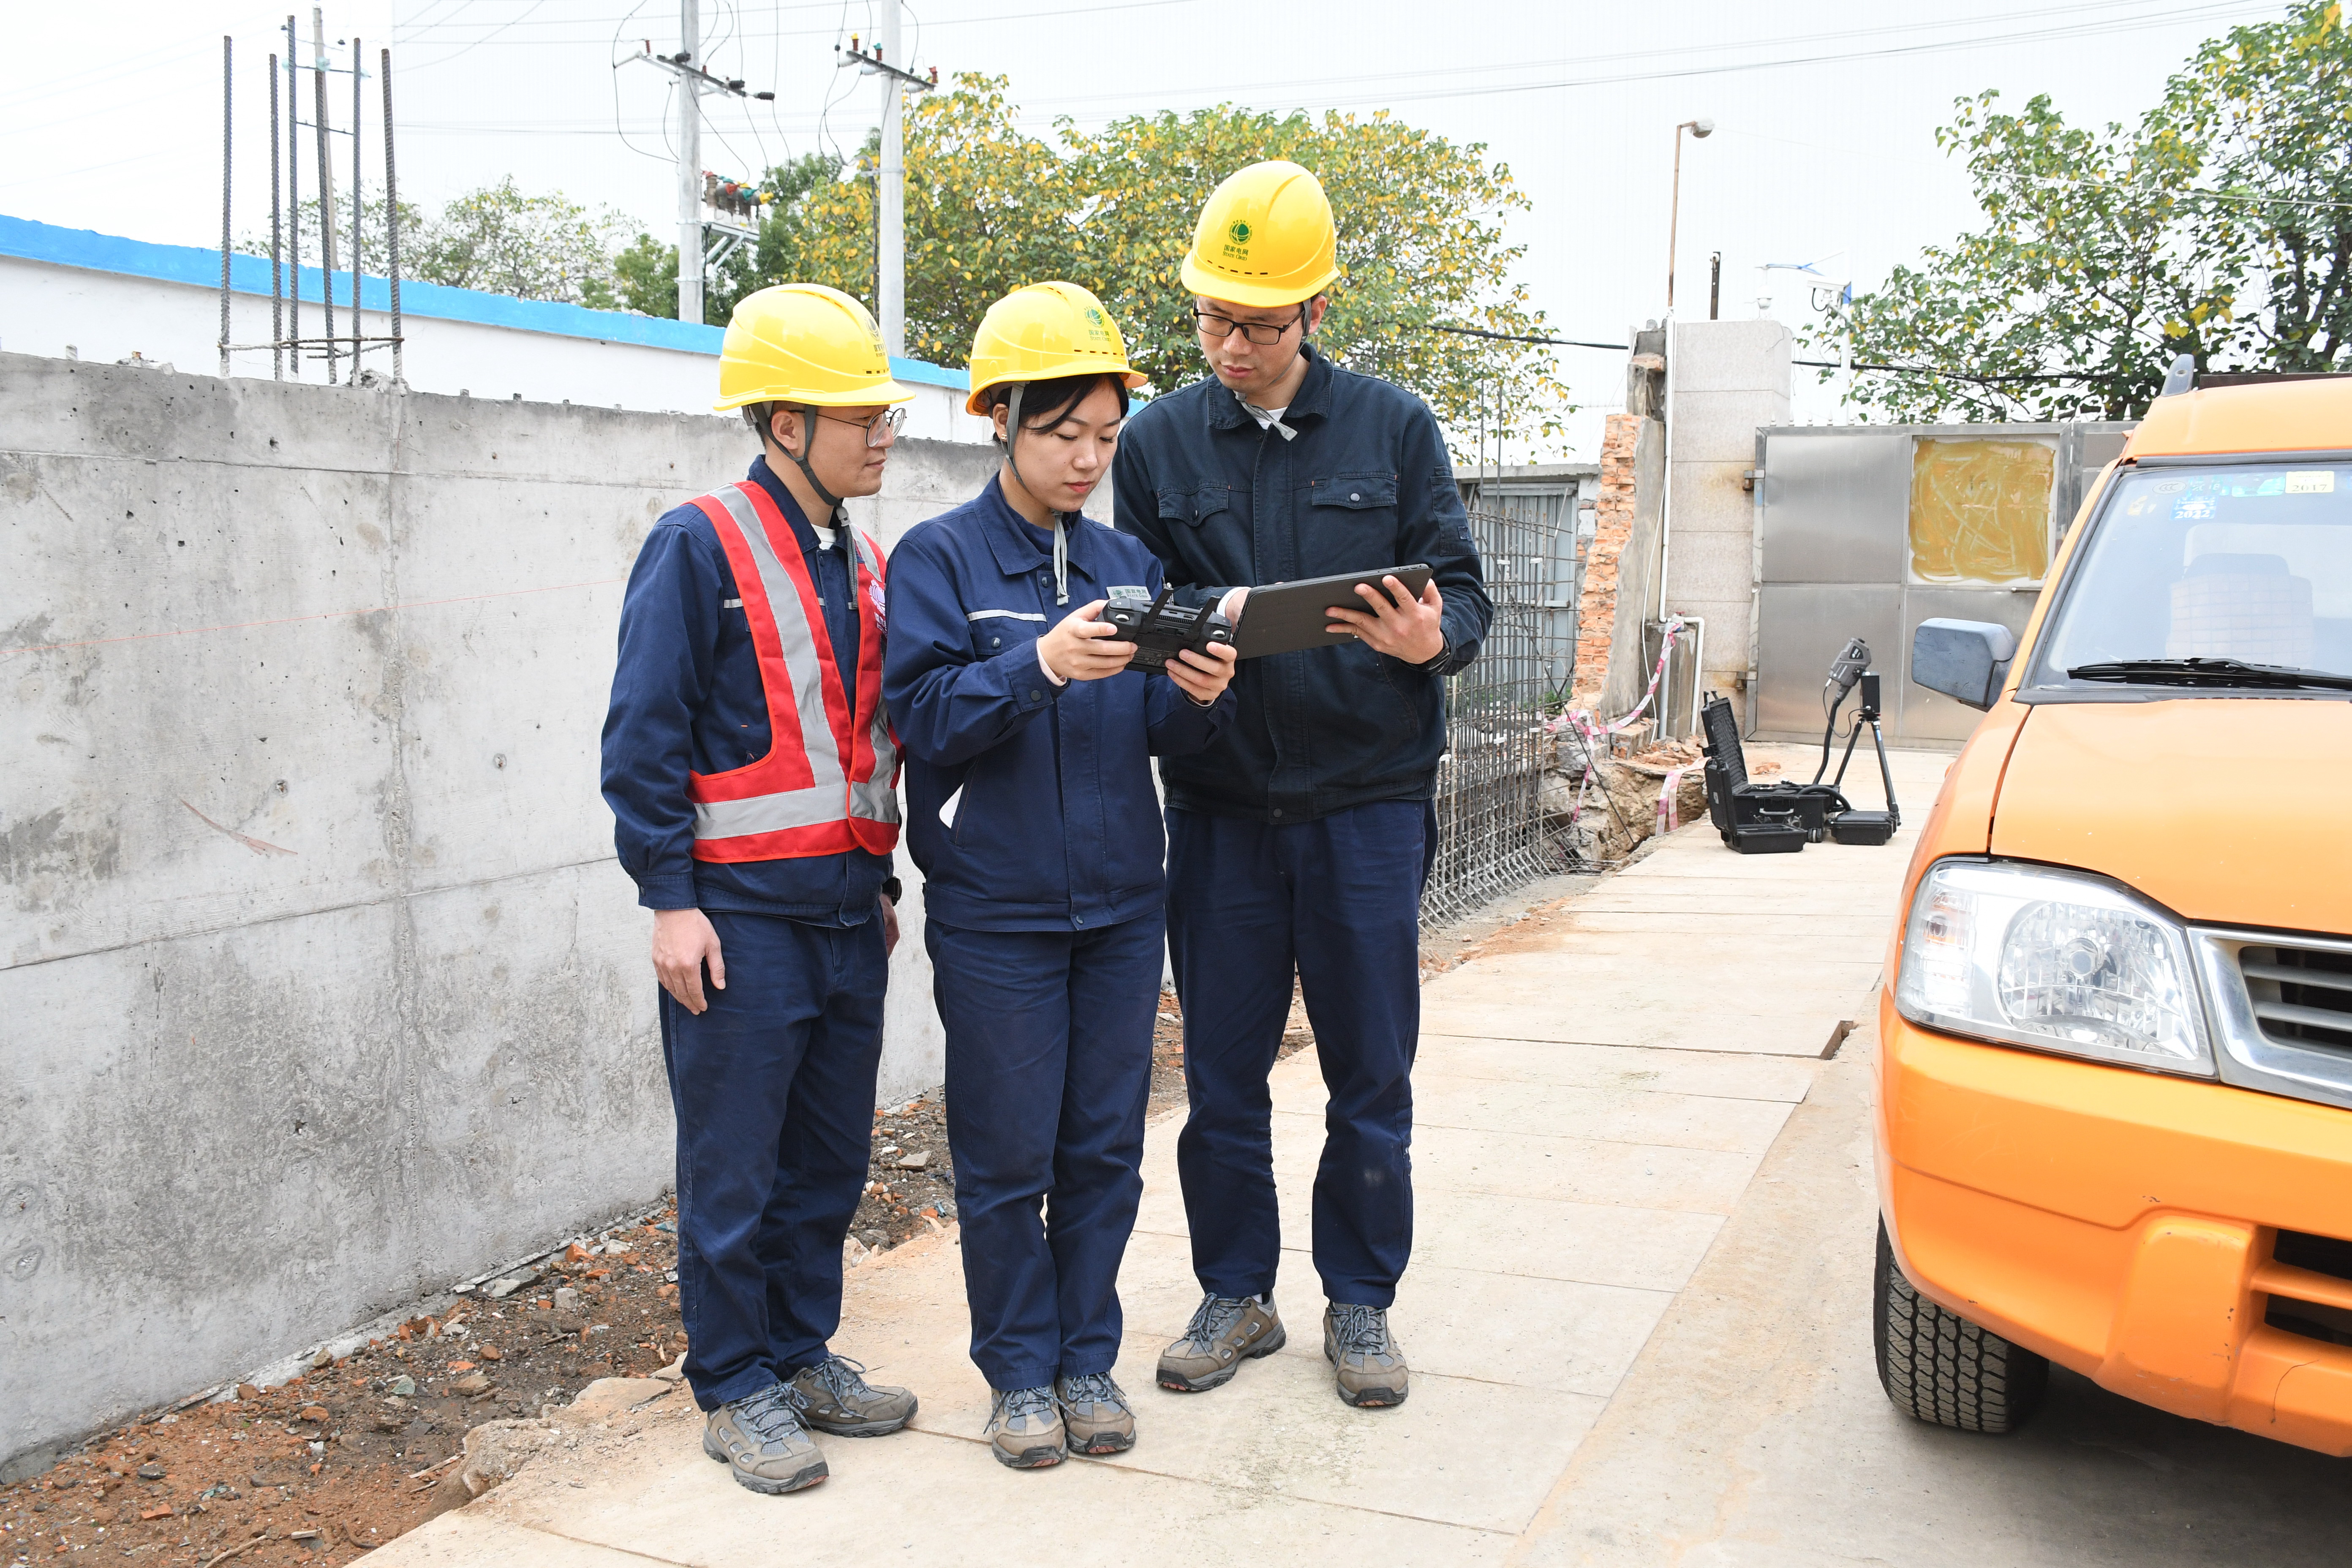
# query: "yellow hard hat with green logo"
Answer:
x=1265 y=238
x=1042 y=331
x=806 y=343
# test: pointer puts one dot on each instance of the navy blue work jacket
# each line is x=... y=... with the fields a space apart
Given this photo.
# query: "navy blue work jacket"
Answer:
x=1057 y=824
x=687 y=695
x=1366 y=483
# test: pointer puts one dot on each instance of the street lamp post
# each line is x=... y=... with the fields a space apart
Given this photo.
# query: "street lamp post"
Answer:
x=1699 y=129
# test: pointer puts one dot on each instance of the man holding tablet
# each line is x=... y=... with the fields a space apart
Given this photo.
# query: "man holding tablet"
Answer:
x=1300 y=840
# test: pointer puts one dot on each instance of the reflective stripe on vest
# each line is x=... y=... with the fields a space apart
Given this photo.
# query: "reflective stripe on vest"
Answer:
x=826 y=783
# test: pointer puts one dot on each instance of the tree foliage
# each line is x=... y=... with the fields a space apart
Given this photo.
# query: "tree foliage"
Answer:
x=504 y=241
x=990 y=207
x=2219 y=227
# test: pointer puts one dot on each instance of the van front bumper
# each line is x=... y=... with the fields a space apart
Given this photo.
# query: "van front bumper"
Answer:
x=2122 y=1223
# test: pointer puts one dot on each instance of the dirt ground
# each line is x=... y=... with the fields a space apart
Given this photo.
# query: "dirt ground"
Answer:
x=340 y=1460
x=335 y=1462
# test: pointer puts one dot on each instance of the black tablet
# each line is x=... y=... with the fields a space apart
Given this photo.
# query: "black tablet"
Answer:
x=1281 y=617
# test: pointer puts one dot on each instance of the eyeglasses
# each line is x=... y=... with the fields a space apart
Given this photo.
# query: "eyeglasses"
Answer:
x=880 y=430
x=1260 y=333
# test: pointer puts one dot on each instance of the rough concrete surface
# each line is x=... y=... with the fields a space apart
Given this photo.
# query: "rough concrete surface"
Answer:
x=322 y=987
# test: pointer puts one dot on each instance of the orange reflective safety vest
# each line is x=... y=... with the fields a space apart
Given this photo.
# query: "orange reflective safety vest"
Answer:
x=828 y=782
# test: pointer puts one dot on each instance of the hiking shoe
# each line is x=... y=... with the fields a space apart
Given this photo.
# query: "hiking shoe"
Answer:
x=1227 y=1331
x=1024 y=1428
x=834 y=1396
x=762 y=1440
x=1095 y=1414
x=1365 y=1359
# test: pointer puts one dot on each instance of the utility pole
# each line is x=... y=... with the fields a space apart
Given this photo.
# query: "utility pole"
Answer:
x=693 y=80
x=689 y=164
x=890 y=193
x=890 y=175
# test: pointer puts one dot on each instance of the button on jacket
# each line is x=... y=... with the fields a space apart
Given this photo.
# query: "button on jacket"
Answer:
x=687 y=695
x=1055 y=824
x=1364 y=484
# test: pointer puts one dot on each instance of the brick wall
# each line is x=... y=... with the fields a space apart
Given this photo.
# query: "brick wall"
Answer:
x=1596 y=612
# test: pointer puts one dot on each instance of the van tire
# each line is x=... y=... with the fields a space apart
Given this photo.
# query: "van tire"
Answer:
x=1940 y=1368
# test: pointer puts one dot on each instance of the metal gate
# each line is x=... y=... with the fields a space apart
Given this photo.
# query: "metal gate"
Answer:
x=1866 y=530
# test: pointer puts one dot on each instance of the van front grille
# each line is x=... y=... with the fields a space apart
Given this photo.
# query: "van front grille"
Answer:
x=2300 y=996
x=2320 y=1254
x=2313 y=1308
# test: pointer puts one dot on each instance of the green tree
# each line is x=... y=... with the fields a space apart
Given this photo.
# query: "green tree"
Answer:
x=503 y=241
x=374 y=234
x=2219 y=227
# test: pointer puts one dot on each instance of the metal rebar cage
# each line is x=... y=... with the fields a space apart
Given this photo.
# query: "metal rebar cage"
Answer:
x=1492 y=836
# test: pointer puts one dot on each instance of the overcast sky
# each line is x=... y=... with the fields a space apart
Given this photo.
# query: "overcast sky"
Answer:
x=109 y=115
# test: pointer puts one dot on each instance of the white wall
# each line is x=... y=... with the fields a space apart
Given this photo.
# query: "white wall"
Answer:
x=61 y=311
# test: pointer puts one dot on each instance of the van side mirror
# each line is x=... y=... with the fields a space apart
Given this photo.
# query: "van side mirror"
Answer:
x=1966 y=660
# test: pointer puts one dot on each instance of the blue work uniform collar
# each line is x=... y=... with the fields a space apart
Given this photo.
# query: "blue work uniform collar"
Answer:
x=1019 y=545
x=765 y=477
x=1226 y=413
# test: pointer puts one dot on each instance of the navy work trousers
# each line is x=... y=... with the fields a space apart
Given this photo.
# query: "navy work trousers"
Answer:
x=773 y=1086
x=1336 y=901
x=1049 y=1071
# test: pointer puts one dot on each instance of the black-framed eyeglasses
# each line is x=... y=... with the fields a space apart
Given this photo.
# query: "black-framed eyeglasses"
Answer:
x=1263 y=333
x=880 y=429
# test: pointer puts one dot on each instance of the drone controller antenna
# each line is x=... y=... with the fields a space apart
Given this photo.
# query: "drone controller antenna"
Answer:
x=1151 y=617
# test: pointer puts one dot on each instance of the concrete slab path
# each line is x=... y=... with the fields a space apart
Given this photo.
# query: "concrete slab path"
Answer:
x=1626 y=1348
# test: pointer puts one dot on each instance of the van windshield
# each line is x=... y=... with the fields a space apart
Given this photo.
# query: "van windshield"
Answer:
x=2234 y=575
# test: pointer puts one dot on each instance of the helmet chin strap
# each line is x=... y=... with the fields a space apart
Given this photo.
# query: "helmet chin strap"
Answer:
x=1061 y=533
x=808 y=439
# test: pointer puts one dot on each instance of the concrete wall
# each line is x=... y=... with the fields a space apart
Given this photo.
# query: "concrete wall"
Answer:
x=96 y=315
x=1728 y=378
x=321 y=986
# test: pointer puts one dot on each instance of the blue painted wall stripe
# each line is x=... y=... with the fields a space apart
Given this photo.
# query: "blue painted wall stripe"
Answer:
x=97 y=252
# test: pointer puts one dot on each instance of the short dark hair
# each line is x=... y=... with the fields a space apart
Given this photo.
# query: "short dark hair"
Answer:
x=1047 y=403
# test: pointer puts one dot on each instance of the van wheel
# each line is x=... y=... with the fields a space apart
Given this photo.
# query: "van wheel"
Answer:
x=1940 y=1368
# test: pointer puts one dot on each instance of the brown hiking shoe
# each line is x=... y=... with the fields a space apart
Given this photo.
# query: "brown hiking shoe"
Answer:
x=835 y=1397
x=1227 y=1331
x=1024 y=1428
x=762 y=1441
x=1365 y=1359
x=1095 y=1414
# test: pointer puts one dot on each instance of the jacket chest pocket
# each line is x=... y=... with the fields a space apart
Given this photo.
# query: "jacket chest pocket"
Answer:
x=1196 y=504
x=993 y=631
x=1353 y=517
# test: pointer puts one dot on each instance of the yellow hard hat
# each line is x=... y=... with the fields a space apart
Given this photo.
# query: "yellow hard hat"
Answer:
x=806 y=343
x=1265 y=238
x=1040 y=331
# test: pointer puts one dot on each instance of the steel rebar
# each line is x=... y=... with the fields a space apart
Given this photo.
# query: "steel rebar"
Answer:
x=391 y=219
x=293 y=203
x=358 y=248
x=326 y=183
x=228 y=121
x=276 y=228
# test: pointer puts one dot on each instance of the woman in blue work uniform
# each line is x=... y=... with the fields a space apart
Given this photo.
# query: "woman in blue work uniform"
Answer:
x=1033 y=817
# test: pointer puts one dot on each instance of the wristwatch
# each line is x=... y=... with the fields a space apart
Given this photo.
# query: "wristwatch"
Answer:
x=893 y=890
x=1444 y=652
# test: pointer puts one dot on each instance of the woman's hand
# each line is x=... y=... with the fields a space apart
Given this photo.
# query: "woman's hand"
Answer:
x=1203 y=675
x=1080 y=648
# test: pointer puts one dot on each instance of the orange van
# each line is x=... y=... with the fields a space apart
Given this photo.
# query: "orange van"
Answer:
x=2114 y=1114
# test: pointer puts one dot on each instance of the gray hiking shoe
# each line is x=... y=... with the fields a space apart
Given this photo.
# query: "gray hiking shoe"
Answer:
x=835 y=1397
x=1095 y=1414
x=1024 y=1428
x=1365 y=1358
x=761 y=1439
x=1224 y=1332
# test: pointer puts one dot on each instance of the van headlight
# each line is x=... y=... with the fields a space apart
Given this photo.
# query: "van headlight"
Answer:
x=2052 y=960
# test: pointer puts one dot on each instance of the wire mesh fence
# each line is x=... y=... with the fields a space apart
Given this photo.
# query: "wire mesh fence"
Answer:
x=1492 y=836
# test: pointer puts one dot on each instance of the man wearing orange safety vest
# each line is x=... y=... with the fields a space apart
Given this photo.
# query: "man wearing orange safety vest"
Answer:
x=752 y=772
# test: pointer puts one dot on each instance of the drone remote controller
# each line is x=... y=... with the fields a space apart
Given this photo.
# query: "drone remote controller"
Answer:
x=1161 y=630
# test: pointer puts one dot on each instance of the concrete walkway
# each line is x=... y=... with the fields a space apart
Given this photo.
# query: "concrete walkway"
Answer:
x=1597 y=1088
